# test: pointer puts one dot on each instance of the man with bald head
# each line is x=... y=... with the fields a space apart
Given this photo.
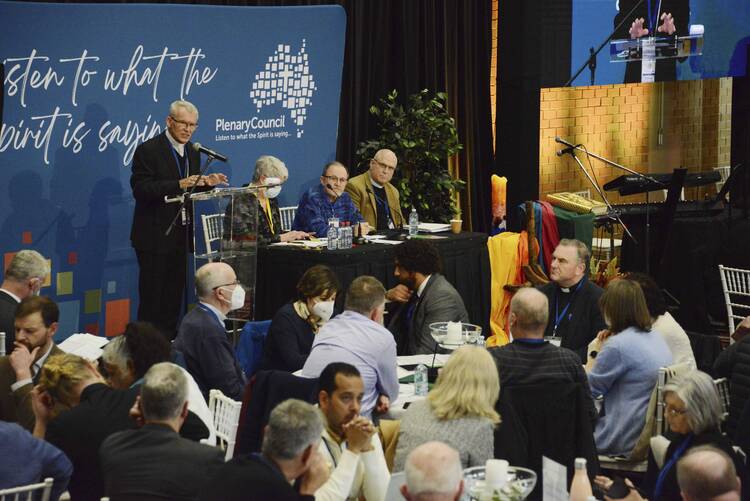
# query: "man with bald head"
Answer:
x=202 y=337
x=707 y=474
x=529 y=359
x=433 y=473
x=374 y=195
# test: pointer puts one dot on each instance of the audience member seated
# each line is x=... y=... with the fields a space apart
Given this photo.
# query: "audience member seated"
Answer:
x=433 y=473
x=75 y=411
x=530 y=359
x=734 y=364
x=626 y=368
x=663 y=322
x=426 y=295
x=24 y=460
x=574 y=313
x=327 y=200
x=289 y=467
x=349 y=442
x=708 y=474
x=460 y=410
x=202 y=337
x=295 y=325
x=257 y=218
x=154 y=462
x=35 y=323
x=24 y=277
x=693 y=412
x=127 y=358
x=374 y=195
x=358 y=337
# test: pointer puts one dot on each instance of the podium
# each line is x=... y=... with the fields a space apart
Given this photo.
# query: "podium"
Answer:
x=225 y=225
x=650 y=49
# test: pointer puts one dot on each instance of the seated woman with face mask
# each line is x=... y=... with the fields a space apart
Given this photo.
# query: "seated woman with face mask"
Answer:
x=294 y=326
x=269 y=171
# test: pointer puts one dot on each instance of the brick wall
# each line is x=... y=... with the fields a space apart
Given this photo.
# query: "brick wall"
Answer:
x=647 y=127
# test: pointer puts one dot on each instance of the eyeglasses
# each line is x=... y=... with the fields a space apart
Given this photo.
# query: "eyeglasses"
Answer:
x=236 y=282
x=335 y=179
x=675 y=412
x=385 y=167
x=187 y=125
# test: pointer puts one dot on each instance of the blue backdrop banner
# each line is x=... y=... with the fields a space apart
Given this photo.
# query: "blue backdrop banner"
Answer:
x=85 y=84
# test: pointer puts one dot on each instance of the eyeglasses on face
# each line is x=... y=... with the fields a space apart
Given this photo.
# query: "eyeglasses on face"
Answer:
x=385 y=167
x=671 y=411
x=187 y=125
x=236 y=282
x=335 y=179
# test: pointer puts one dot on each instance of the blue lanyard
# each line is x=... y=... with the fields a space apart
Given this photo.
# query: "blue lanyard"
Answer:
x=560 y=315
x=653 y=18
x=213 y=314
x=384 y=203
x=668 y=466
x=177 y=159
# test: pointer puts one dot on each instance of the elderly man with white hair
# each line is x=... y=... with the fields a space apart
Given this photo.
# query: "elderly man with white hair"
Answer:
x=374 y=194
x=202 y=337
x=258 y=214
x=23 y=278
x=433 y=473
x=708 y=474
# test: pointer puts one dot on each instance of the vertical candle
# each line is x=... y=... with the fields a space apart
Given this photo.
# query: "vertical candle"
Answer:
x=496 y=473
x=454 y=333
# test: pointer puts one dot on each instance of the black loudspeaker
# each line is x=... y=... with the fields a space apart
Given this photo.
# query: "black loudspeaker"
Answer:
x=740 y=149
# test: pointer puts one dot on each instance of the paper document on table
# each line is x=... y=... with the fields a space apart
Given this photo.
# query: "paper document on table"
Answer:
x=84 y=345
x=440 y=359
x=386 y=241
x=554 y=480
x=402 y=373
x=434 y=227
x=307 y=244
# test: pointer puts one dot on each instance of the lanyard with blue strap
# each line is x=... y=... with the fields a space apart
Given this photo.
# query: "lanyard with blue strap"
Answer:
x=183 y=174
x=384 y=203
x=653 y=17
x=559 y=316
x=669 y=465
x=213 y=314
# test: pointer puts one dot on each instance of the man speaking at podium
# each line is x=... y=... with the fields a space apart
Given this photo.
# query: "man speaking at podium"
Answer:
x=375 y=196
x=165 y=165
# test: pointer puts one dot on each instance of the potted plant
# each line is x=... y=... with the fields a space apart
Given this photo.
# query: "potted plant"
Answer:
x=456 y=222
x=423 y=136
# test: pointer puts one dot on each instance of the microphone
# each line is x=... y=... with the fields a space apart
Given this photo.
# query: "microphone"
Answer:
x=336 y=195
x=569 y=149
x=202 y=149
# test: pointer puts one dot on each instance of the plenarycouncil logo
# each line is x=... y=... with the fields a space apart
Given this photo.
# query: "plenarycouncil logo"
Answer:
x=286 y=79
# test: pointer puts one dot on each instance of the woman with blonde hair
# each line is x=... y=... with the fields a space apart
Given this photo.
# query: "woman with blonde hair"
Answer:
x=625 y=370
x=460 y=410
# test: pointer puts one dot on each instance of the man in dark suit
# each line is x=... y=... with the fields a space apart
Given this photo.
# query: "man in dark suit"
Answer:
x=23 y=278
x=165 y=165
x=427 y=297
x=202 y=338
x=289 y=467
x=35 y=322
x=154 y=461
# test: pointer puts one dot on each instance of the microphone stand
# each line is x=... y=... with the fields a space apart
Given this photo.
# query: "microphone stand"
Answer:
x=591 y=61
x=612 y=212
x=186 y=196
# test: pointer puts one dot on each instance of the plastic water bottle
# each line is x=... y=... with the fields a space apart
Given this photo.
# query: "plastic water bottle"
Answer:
x=413 y=222
x=580 y=488
x=333 y=234
x=421 y=386
x=349 y=236
x=345 y=239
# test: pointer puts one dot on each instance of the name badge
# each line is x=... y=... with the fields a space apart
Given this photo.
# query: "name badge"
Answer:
x=553 y=340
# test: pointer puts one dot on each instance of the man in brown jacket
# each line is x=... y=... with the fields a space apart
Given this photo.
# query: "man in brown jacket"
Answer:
x=36 y=324
x=374 y=195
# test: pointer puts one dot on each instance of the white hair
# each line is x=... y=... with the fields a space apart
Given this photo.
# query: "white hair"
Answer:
x=185 y=105
x=27 y=264
x=269 y=166
x=116 y=352
x=433 y=468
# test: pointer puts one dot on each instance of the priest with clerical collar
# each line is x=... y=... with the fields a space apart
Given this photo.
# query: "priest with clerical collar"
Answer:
x=574 y=315
x=374 y=195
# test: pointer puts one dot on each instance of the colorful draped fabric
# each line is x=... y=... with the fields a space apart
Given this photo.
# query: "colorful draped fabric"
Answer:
x=508 y=253
x=550 y=234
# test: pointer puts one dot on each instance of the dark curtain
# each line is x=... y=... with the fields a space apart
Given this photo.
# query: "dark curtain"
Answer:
x=740 y=150
x=441 y=45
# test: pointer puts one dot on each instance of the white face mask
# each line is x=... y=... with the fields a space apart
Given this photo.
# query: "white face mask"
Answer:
x=238 y=298
x=323 y=310
x=273 y=192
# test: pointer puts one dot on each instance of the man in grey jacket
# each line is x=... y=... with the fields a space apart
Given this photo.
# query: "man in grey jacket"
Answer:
x=426 y=297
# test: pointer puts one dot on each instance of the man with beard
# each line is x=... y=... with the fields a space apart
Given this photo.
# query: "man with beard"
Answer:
x=36 y=323
x=427 y=297
x=349 y=442
x=358 y=337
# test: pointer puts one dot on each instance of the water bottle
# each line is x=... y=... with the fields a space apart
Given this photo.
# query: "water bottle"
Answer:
x=348 y=235
x=421 y=386
x=580 y=488
x=413 y=222
x=333 y=234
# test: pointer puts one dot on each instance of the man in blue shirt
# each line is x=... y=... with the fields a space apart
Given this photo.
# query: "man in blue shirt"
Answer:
x=327 y=200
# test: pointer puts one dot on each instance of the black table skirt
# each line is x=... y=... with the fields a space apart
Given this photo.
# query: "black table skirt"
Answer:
x=465 y=264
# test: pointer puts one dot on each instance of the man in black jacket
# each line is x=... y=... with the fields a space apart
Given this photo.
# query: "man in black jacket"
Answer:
x=574 y=315
x=154 y=461
x=290 y=466
x=165 y=165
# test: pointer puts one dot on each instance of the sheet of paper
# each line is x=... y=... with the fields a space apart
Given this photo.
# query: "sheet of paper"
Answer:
x=440 y=359
x=84 y=345
x=387 y=242
x=554 y=480
x=434 y=227
x=402 y=373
